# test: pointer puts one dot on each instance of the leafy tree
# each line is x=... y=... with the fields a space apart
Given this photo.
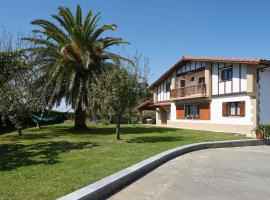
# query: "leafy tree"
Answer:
x=15 y=87
x=16 y=78
x=120 y=93
x=71 y=56
x=140 y=71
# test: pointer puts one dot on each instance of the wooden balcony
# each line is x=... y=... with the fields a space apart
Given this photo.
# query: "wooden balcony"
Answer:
x=189 y=92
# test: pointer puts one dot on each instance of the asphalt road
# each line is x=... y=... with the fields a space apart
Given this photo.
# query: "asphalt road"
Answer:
x=227 y=173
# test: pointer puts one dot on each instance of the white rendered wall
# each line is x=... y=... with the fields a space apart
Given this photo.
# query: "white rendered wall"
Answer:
x=216 y=112
x=173 y=112
x=193 y=65
x=161 y=91
x=264 y=96
x=237 y=84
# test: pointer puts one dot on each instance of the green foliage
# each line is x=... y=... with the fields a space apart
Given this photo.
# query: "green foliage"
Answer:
x=135 y=77
x=15 y=87
x=120 y=91
x=148 y=114
x=71 y=55
x=265 y=129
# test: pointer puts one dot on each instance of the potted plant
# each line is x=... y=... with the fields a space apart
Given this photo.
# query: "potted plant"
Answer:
x=188 y=117
x=259 y=131
x=196 y=117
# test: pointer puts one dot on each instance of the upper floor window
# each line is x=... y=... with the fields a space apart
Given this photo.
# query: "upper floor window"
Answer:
x=182 y=83
x=168 y=86
x=226 y=74
x=201 y=80
x=192 y=79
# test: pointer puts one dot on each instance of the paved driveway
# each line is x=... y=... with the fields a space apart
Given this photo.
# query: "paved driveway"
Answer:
x=227 y=173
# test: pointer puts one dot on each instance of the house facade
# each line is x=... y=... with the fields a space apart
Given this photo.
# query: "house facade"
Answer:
x=216 y=94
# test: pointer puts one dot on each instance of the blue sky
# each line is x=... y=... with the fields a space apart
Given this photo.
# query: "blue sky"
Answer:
x=165 y=30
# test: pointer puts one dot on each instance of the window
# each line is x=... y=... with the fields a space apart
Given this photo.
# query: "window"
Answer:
x=168 y=86
x=233 y=108
x=226 y=74
x=201 y=80
x=192 y=79
x=182 y=83
x=192 y=112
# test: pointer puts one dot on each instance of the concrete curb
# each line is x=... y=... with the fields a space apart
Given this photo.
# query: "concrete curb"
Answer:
x=113 y=183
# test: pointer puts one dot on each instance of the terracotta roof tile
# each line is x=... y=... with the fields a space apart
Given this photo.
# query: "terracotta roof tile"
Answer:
x=240 y=60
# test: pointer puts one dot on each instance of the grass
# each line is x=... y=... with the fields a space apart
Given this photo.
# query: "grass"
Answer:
x=56 y=160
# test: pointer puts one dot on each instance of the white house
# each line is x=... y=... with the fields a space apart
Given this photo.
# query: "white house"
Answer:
x=217 y=94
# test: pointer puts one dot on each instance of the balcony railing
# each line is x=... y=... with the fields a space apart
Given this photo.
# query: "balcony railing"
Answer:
x=194 y=90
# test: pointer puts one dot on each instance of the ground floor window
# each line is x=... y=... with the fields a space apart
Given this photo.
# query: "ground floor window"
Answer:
x=233 y=109
x=192 y=111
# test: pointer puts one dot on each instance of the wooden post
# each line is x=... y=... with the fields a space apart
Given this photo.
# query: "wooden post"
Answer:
x=141 y=117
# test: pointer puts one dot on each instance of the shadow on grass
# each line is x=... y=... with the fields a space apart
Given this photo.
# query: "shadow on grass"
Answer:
x=110 y=130
x=18 y=155
x=5 y=131
x=48 y=132
x=155 y=139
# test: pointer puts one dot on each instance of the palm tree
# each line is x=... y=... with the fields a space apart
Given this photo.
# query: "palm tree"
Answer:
x=71 y=57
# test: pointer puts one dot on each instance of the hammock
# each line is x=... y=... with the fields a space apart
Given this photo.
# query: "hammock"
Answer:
x=53 y=119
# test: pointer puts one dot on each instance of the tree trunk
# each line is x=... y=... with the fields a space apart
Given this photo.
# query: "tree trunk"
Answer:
x=18 y=124
x=19 y=130
x=80 y=118
x=117 y=126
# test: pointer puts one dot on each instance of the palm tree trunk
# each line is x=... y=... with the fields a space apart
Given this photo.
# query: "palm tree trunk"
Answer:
x=80 y=118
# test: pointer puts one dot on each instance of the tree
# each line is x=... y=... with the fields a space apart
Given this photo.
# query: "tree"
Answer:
x=15 y=87
x=71 y=57
x=16 y=78
x=120 y=94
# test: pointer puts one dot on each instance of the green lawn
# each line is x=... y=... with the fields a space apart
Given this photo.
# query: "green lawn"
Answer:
x=56 y=160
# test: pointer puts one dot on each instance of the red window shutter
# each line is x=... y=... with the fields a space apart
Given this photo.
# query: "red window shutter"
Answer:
x=224 y=109
x=180 y=112
x=242 y=109
x=205 y=111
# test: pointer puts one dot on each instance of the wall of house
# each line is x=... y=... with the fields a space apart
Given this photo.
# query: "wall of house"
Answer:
x=190 y=66
x=243 y=80
x=216 y=112
x=264 y=96
x=162 y=95
x=187 y=78
x=236 y=85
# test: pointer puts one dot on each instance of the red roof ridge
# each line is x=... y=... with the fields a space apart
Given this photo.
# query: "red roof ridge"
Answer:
x=221 y=59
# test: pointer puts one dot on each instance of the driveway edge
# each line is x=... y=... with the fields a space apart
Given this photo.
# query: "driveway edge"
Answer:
x=118 y=180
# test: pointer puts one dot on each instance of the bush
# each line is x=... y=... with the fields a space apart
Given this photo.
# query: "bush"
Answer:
x=104 y=122
x=266 y=132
